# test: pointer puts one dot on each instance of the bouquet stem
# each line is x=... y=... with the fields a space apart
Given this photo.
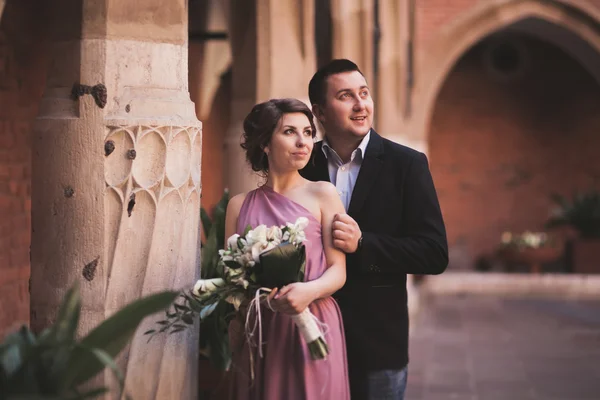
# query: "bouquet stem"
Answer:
x=312 y=334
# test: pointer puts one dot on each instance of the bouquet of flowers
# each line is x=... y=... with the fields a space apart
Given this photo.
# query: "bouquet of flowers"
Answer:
x=250 y=267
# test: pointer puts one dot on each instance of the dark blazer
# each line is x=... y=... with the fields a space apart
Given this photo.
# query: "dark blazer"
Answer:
x=395 y=204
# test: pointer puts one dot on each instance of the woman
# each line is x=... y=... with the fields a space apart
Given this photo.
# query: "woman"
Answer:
x=278 y=140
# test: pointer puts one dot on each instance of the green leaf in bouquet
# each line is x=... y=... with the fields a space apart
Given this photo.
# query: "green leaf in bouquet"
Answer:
x=113 y=335
x=248 y=229
x=181 y=307
x=281 y=266
x=232 y=264
x=206 y=311
x=195 y=304
x=188 y=319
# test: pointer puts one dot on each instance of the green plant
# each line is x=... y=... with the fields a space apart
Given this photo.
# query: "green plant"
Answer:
x=214 y=339
x=582 y=212
x=215 y=237
x=55 y=364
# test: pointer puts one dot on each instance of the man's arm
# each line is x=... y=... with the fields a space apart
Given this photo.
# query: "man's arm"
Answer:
x=421 y=247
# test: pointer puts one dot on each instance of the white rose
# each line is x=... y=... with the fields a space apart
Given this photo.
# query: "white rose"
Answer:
x=260 y=248
x=248 y=260
x=274 y=234
x=269 y=246
x=256 y=248
x=232 y=242
x=300 y=237
x=257 y=235
x=301 y=224
x=207 y=285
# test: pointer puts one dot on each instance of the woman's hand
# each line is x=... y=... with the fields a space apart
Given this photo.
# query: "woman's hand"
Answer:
x=292 y=299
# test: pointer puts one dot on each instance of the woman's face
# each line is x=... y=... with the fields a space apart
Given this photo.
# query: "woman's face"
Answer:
x=291 y=144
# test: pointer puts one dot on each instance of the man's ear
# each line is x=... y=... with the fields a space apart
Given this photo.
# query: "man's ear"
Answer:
x=318 y=112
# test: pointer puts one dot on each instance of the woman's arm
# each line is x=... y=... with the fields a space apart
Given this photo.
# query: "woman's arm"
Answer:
x=232 y=214
x=335 y=276
x=294 y=298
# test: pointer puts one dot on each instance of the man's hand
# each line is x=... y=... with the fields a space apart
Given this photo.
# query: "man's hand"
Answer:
x=346 y=233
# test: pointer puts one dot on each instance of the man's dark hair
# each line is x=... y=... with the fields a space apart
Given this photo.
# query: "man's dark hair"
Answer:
x=317 y=88
x=260 y=125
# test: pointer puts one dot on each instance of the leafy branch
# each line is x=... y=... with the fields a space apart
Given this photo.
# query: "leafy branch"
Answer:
x=55 y=364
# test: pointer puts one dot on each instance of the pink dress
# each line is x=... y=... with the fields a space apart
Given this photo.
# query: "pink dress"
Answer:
x=286 y=370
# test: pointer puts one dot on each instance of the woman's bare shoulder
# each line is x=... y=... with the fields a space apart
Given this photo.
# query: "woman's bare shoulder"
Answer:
x=235 y=203
x=323 y=190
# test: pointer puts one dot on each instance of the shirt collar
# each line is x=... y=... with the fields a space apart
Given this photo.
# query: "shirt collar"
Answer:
x=326 y=148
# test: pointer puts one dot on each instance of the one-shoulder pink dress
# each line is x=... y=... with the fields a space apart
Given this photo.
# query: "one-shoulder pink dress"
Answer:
x=286 y=370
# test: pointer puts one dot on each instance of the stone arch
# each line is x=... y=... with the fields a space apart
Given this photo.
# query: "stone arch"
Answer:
x=578 y=17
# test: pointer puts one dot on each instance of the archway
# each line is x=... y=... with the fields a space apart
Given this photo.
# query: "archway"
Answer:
x=577 y=17
x=514 y=121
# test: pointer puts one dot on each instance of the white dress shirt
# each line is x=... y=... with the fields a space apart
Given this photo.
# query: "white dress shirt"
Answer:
x=344 y=176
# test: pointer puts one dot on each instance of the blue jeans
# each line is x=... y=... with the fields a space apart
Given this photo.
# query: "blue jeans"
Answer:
x=388 y=384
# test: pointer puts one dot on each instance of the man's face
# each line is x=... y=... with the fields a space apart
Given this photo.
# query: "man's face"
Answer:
x=348 y=109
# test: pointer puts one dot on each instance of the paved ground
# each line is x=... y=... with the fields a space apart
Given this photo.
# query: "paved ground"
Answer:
x=480 y=347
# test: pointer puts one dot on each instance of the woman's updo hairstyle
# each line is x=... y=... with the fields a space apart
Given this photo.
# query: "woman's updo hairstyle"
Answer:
x=260 y=124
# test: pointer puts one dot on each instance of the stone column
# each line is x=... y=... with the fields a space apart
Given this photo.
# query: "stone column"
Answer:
x=266 y=64
x=391 y=80
x=116 y=178
x=353 y=32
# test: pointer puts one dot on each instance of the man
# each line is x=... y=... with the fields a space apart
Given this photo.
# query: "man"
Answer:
x=393 y=227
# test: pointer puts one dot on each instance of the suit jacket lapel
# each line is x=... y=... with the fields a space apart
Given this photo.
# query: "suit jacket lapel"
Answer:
x=369 y=170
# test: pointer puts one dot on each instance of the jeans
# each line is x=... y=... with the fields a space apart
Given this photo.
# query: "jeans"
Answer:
x=388 y=384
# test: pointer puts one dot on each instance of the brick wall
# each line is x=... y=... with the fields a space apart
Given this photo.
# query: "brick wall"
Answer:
x=498 y=150
x=22 y=73
x=214 y=129
x=433 y=15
